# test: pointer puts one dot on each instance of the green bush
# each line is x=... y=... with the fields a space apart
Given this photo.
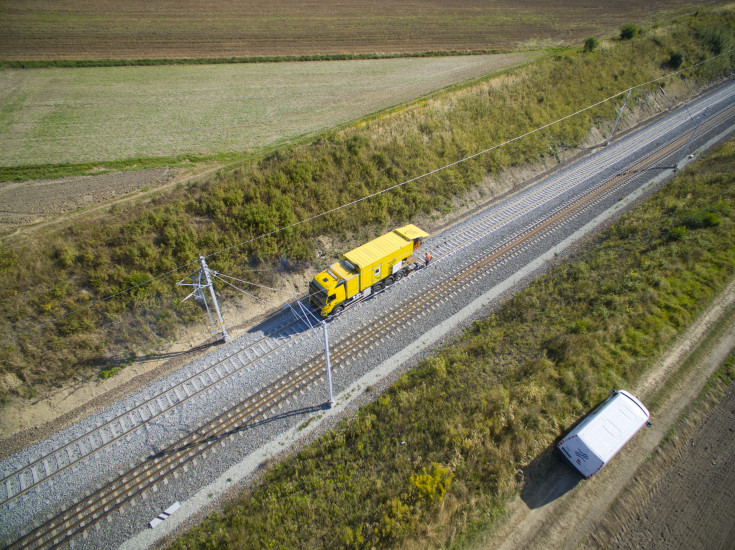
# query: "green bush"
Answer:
x=591 y=44
x=109 y=373
x=629 y=31
x=675 y=60
x=700 y=219
x=677 y=233
x=716 y=38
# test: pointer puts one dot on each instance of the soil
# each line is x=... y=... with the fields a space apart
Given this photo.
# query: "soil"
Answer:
x=693 y=505
x=79 y=29
x=32 y=204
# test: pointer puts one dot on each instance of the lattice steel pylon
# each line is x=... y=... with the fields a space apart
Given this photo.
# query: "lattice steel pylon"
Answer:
x=201 y=280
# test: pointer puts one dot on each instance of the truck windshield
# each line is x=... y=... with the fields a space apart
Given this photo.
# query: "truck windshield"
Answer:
x=317 y=295
x=349 y=265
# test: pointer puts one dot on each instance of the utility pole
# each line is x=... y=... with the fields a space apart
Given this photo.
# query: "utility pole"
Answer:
x=205 y=270
x=305 y=319
x=198 y=293
x=691 y=138
x=620 y=112
x=329 y=366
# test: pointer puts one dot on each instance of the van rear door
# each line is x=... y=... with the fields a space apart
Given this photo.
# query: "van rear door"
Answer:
x=579 y=455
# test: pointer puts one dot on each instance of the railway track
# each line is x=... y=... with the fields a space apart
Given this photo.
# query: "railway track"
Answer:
x=20 y=481
x=184 y=453
x=546 y=192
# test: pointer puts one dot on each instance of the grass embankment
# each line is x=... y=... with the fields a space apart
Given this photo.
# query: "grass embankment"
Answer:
x=55 y=272
x=475 y=413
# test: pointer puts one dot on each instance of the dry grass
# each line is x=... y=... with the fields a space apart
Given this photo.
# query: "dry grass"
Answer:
x=81 y=29
x=487 y=406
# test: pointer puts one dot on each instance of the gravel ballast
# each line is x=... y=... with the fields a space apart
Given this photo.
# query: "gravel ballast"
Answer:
x=238 y=457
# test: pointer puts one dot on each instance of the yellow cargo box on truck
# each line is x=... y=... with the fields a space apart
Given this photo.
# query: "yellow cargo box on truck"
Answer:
x=366 y=270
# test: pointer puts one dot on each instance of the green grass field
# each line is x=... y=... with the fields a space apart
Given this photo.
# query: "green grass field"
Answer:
x=76 y=115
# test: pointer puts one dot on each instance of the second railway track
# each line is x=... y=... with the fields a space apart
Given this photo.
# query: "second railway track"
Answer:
x=78 y=518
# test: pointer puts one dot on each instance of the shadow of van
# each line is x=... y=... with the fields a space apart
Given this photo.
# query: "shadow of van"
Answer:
x=547 y=478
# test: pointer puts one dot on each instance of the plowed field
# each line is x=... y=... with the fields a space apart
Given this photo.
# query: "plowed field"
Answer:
x=139 y=29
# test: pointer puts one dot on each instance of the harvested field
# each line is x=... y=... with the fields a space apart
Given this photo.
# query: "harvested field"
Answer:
x=29 y=201
x=692 y=502
x=81 y=29
x=56 y=116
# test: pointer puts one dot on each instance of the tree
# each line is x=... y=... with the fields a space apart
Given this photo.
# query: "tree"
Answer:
x=590 y=45
x=629 y=31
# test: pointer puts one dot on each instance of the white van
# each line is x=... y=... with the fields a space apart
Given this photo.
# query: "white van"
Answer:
x=598 y=438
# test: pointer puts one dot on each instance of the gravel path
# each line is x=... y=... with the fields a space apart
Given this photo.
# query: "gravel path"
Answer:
x=30 y=201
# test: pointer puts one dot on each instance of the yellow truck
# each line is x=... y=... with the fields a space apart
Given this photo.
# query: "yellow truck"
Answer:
x=366 y=269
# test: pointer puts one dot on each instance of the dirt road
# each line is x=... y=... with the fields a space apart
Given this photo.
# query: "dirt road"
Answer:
x=693 y=503
x=674 y=508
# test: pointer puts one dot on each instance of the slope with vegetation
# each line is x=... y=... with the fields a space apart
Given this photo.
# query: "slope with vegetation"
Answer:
x=73 y=268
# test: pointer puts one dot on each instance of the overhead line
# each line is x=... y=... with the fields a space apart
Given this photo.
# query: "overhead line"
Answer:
x=372 y=195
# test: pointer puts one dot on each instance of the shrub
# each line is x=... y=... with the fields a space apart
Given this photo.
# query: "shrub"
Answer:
x=675 y=60
x=109 y=373
x=629 y=31
x=590 y=45
x=677 y=233
x=700 y=219
x=432 y=485
x=716 y=39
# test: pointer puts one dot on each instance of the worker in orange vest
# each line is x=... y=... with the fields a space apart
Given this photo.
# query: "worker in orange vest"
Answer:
x=428 y=259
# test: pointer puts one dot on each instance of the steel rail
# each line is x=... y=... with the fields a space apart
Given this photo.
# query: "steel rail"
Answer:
x=102 y=502
x=112 y=495
x=75 y=445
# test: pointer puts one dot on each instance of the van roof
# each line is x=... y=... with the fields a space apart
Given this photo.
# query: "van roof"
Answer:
x=610 y=427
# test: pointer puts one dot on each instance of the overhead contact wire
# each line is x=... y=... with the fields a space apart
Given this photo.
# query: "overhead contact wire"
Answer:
x=377 y=193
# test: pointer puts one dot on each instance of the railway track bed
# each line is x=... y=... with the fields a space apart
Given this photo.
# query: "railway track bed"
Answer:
x=105 y=478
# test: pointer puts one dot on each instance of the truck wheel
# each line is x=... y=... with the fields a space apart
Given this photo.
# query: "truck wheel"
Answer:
x=337 y=310
x=389 y=281
x=399 y=276
x=377 y=287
